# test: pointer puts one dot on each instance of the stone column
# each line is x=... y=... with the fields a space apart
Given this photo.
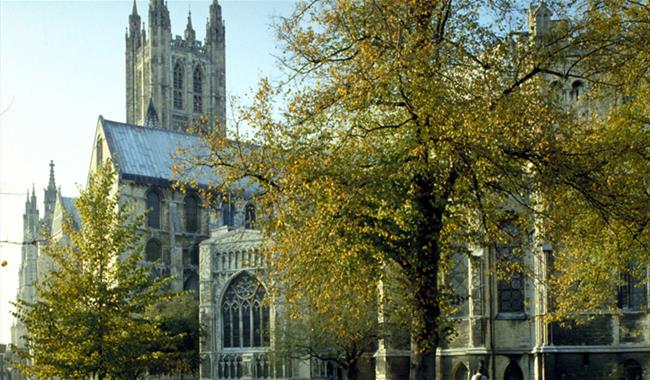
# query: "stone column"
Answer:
x=207 y=300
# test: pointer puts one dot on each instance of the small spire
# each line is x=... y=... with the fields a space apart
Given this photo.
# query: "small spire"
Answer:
x=190 y=34
x=33 y=194
x=135 y=9
x=52 y=183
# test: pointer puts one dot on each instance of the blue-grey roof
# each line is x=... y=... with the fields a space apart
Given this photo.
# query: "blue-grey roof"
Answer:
x=71 y=210
x=146 y=155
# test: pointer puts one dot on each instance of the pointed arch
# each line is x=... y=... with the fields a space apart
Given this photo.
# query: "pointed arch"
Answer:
x=461 y=372
x=192 y=213
x=249 y=216
x=154 y=200
x=178 y=84
x=245 y=317
x=577 y=90
x=197 y=81
x=513 y=372
x=191 y=282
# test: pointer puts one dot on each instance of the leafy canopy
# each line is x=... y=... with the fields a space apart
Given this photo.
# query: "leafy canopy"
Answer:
x=90 y=317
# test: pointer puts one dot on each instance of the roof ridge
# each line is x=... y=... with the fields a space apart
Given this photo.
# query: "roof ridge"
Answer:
x=149 y=128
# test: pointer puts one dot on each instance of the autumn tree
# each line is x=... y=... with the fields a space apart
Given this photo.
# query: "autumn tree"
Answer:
x=408 y=131
x=89 y=319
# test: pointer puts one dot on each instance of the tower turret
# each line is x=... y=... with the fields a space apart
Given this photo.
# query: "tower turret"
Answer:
x=49 y=199
x=215 y=41
x=190 y=34
x=158 y=14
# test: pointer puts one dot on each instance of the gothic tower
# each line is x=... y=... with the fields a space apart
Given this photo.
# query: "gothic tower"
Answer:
x=172 y=81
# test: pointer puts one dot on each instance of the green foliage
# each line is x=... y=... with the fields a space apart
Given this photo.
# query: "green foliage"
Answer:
x=178 y=354
x=90 y=318
x=408 y=131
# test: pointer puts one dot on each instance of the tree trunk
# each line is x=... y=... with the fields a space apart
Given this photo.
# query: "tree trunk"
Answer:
x=425 y=335
x=352 y=370
x=425 y=264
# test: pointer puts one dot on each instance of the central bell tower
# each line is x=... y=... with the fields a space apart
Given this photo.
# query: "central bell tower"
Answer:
x=172 y=81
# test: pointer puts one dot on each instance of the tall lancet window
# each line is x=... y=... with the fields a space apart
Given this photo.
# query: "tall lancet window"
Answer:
x=244 y=314
x=191 y=213
x=198 y=90
x=153 y=209
x=178 y=85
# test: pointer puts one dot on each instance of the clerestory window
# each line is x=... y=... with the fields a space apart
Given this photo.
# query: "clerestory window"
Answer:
x=198 y=90
x=153 y=209
x=249 y=216
x=178 y=85
x=191 y=213
x=245 y=316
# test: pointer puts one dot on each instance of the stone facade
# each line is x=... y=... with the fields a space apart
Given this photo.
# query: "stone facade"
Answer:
x=214 y=252
x=172 y=81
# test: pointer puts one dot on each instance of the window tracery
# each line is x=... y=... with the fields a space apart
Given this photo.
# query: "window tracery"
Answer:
x=245 y=316
x=198 y=89
x=178 y=85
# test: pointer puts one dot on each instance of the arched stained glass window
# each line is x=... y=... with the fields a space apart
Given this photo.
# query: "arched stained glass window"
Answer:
x=153 y=209
x=153 y=250
x=228 y=214
x=198 y=89
x=511 y=286
x=249 y=216
x=191 y=213
x=245 y=316
x=178 y=85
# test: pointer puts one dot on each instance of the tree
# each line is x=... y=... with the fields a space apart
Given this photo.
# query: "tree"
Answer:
x=178 y=354
x=89 y=319
x=337 y=328
x=409 y=131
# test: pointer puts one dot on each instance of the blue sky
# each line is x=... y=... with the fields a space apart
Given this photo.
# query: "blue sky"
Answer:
x=62 y=65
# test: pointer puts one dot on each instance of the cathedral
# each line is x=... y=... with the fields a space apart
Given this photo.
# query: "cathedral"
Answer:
x=170 y=81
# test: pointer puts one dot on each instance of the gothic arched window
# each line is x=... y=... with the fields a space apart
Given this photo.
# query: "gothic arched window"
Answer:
x=228 y=214
x=458 y=279
x=153 y=250
x=249 y=216
x=153 y=209
x=511 y=286
x=99 y=151
x=577 y=90
x=461 y=372
x=178 y=85
x=245 y=316
x=198 y=89
x=632 y=293
x=191 y=213
x=513 y=372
